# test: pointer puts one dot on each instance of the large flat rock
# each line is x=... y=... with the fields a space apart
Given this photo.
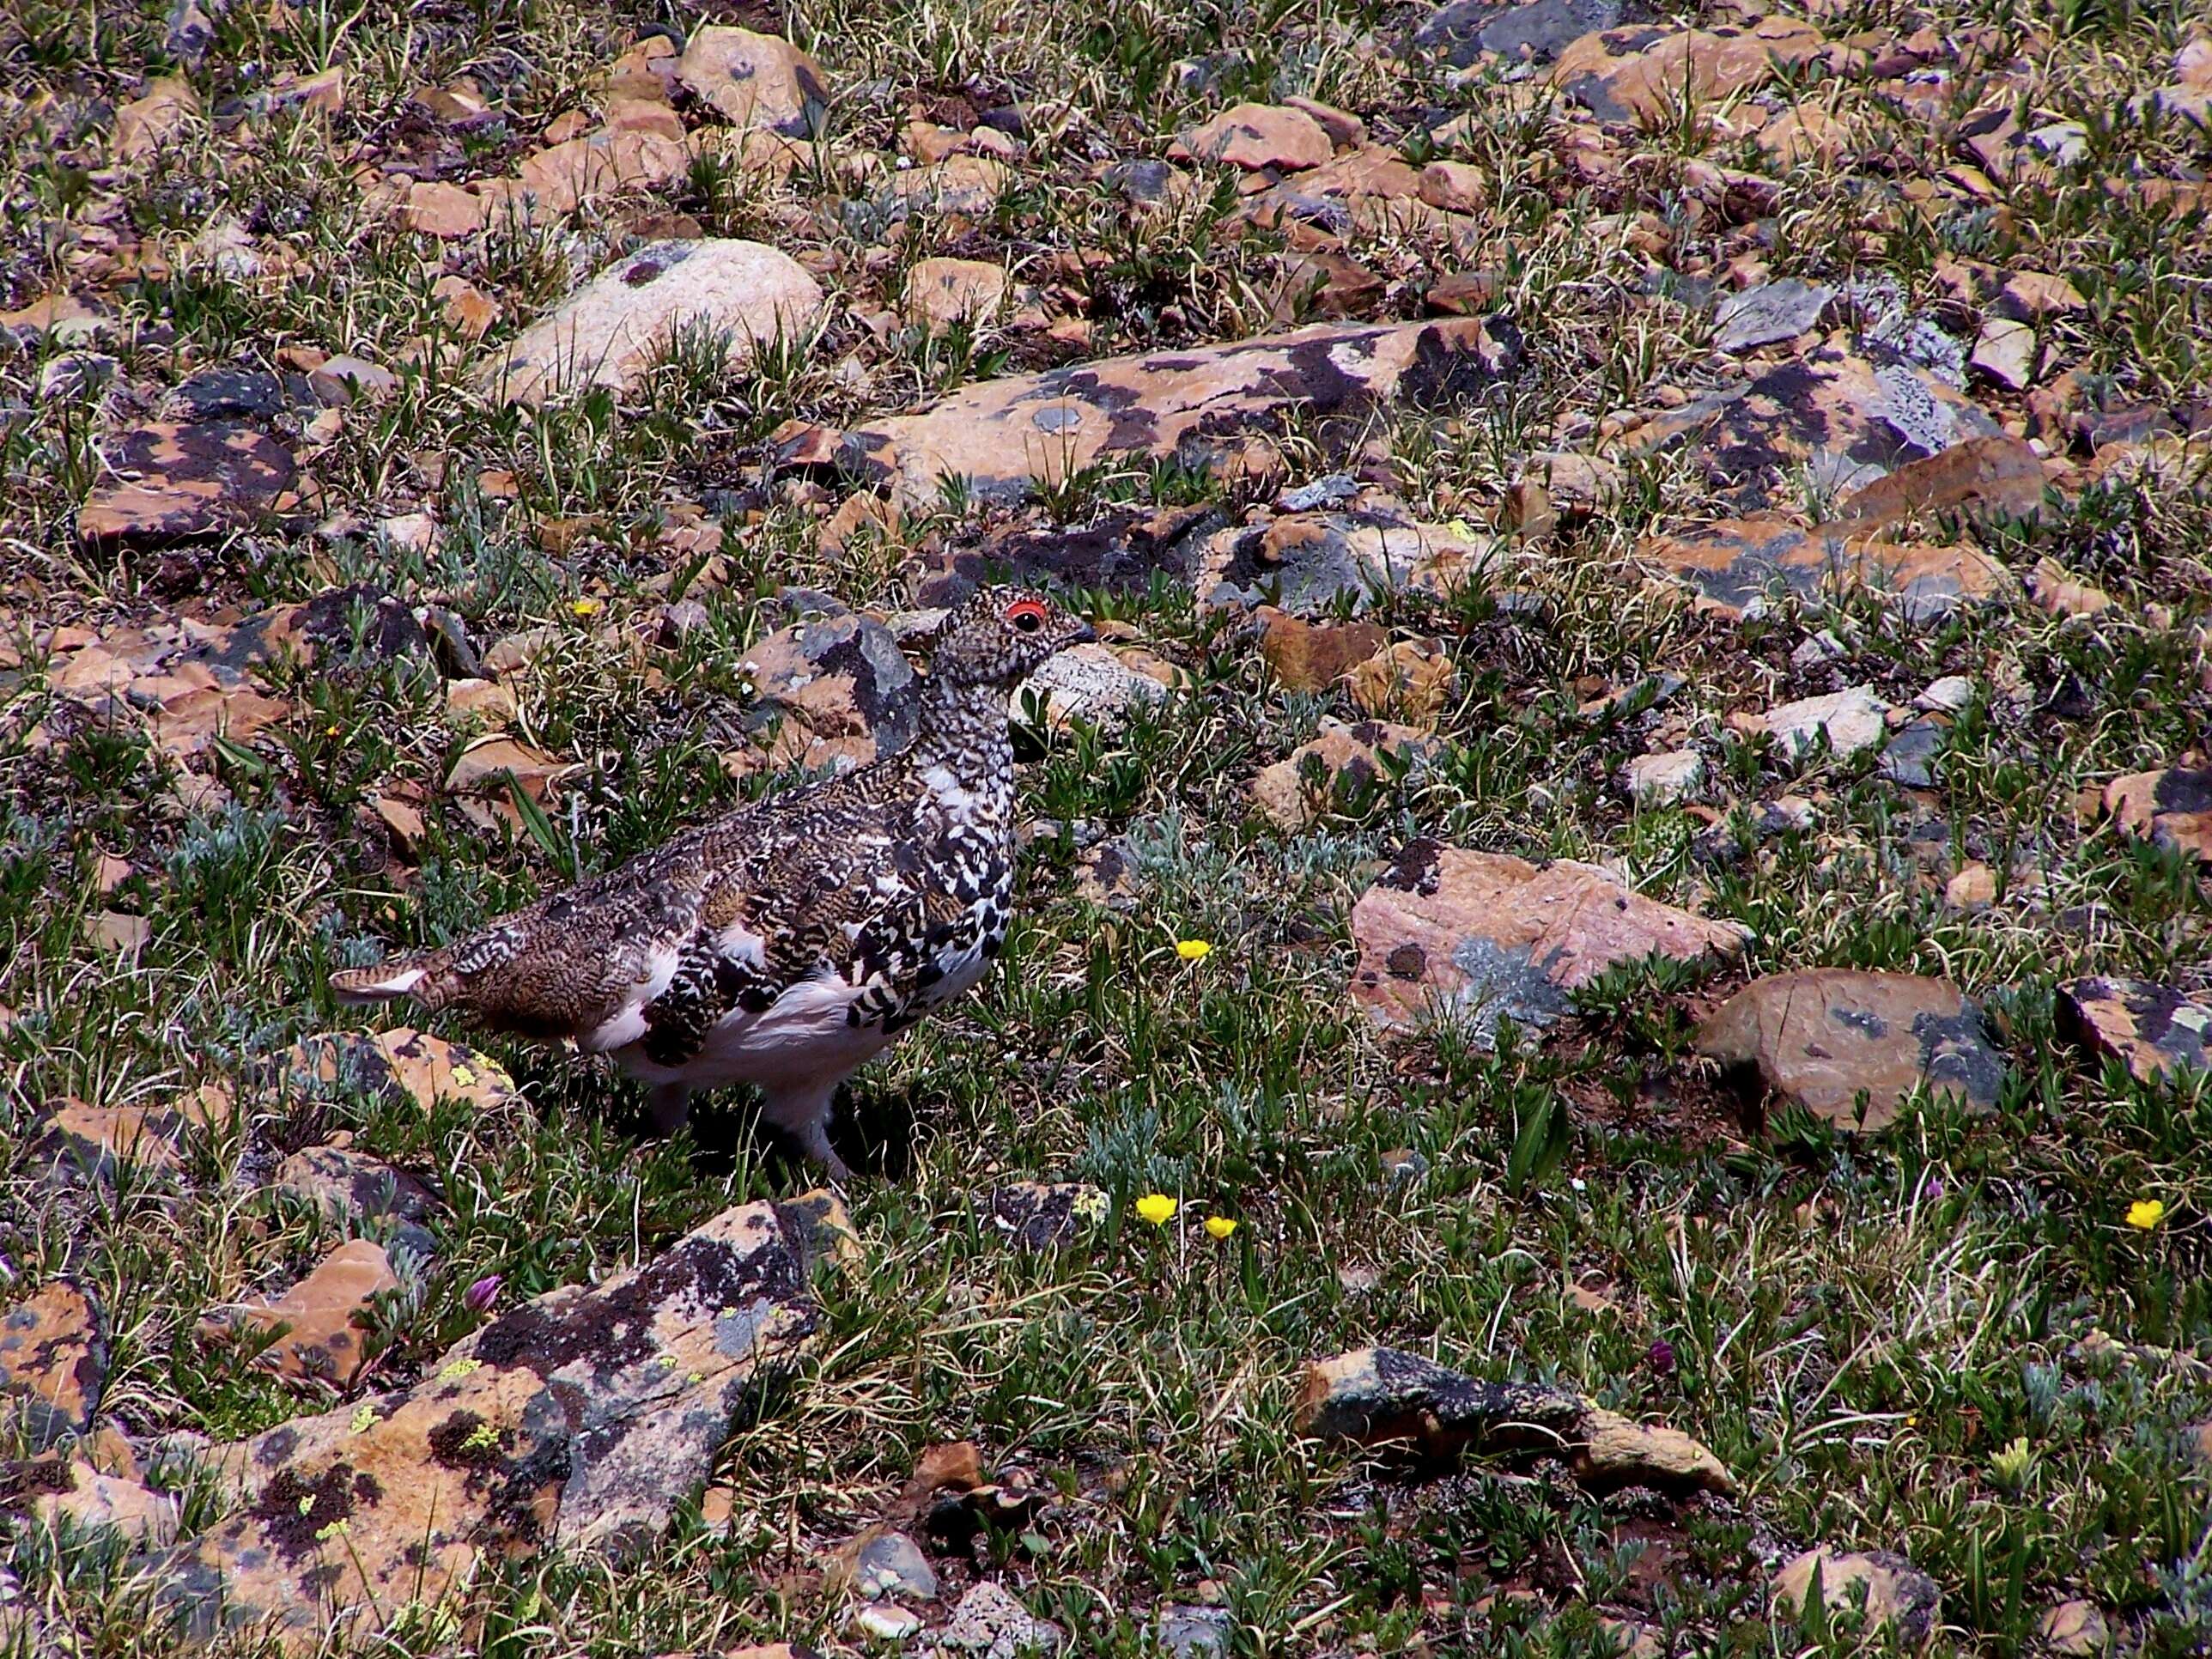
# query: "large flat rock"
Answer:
x=1844 y=419
x=1004 y=438
x=1736 y=565
x=174 y=481
x=1849 y=1046
x=1470 y=937
x=581 y=1418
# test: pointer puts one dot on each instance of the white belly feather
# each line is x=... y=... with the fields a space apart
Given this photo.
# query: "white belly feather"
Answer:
x=804 y=1036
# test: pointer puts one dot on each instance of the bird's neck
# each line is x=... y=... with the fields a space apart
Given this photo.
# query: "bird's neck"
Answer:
x=963 y=750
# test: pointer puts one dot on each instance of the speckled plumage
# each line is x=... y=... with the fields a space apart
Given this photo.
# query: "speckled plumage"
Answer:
x=787 y=943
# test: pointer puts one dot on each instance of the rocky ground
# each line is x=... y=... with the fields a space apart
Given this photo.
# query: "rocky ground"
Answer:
x=1605 y=1049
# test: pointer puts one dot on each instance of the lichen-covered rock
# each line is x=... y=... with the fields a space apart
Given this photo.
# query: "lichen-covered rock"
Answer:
x=1770 y=313
x=351 y=1187
x=838 y=689
x=1308 y=562
x=1314 y=656
x=1614 y=1451
x=1412 y=681
x=1041 y=1215
x=1003 y=438
x=2153 y=1030
x=1256 y=136
x=1664 y=779
x=1378 y=1397
x=1897 y=1592
x=70 y=1494
x=1980 y=478
x=1843 y=723
x=53 y=1363
x=942 y=292
x=1467 y=936
x=1122 y=551
x=1641 y=73
x=2075 y=1629
x=1735 y=565
x=1374 y=1395
x=754 y=81
x=1839 y=417
x=1096 y=682
x=404 y=1064
x=2169 y=808
x=169 y=483
x=1826 y=1037
x=583 y=1418
x=72 y=1141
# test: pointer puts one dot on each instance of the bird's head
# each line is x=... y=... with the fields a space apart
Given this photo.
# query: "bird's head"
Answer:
x=1000 y=635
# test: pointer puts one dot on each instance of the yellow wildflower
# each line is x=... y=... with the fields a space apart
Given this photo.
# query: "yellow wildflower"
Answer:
x=1158 y=1208
x=584 y=607
x=336 y=1529
x=2146 y=1212
x=1193 y=949
x=1219 y=1226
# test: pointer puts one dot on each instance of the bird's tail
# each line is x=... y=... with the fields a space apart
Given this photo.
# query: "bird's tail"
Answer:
x=427 y=976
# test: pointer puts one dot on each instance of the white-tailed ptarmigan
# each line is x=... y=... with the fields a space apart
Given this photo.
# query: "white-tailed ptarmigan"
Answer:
x=787 y=942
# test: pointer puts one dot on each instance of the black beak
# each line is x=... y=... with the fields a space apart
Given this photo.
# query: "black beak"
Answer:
x=1085 y=633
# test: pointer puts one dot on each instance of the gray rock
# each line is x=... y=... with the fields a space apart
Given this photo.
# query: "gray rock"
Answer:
x=1770 y=313
x=1194 y=1632
x=1910 y=760
x=1333 y=489
x=991 y=1623
x=1537 y=31
x=891 y=1564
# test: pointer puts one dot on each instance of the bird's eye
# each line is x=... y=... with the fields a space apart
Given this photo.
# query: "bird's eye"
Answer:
x=1027 y=615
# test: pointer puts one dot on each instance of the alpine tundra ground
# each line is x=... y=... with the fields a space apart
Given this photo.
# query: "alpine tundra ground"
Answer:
x=1729 y=520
